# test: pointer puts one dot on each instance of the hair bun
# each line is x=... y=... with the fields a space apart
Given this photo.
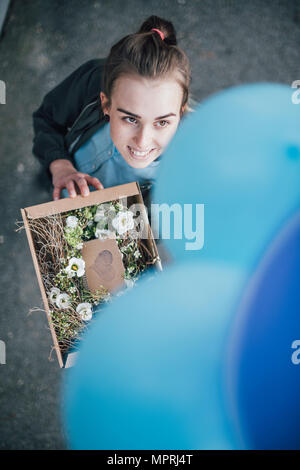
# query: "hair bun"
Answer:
x=166 y=27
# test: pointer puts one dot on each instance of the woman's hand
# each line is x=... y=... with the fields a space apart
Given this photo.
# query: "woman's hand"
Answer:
x=65 y=175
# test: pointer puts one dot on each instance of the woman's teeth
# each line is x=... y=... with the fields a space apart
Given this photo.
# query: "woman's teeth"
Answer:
x=139 y=154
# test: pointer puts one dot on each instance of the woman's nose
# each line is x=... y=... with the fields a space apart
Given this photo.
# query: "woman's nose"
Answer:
x=143 y=139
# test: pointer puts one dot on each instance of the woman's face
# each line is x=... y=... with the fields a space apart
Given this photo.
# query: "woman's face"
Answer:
x=144 y=115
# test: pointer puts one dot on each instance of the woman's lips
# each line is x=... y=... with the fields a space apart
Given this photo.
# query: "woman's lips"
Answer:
x=137 y=155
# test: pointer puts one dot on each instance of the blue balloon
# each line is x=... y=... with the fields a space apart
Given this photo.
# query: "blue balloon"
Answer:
x=239 y=155
x=150 y=373
x=264 y=359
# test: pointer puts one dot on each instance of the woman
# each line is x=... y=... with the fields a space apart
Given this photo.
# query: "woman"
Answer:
x=109 y=122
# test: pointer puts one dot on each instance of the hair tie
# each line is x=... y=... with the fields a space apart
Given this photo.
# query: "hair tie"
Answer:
x=159 y=32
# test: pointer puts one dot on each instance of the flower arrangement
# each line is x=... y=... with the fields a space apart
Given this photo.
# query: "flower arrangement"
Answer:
x=58 y=242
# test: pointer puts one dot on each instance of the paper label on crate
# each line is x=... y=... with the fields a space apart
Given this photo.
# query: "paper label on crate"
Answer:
x=103 y=264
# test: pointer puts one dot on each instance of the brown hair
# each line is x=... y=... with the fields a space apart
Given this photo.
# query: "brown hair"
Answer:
x=146 y=54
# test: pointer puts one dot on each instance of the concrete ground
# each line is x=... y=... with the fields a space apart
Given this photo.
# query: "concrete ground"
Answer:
x=229 y=42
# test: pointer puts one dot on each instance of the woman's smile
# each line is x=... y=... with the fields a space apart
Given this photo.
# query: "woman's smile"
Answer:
x=138 y=154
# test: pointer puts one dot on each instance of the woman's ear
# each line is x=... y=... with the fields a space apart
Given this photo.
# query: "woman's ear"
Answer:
x=104 y=103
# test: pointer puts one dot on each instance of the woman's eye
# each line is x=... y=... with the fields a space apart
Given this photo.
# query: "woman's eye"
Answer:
x=130 y=119
x=162 y=123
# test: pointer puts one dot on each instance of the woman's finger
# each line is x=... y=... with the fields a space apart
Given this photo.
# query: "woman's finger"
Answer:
x=71 y=188
x=82 y=184
x=92 y=180
x=56 y=193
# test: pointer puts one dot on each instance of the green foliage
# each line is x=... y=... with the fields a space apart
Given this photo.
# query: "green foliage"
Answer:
x=73 y=235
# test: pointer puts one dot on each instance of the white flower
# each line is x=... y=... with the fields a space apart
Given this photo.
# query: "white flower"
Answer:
x=102 y=223
x=71 y=221
x=137 y=254
x=129 y=283
x=76 y=267
x=99 y=215
x=53 y=294
x=123 y=222
x=79 y=246
x=102 y=211
x=84 y=310
x=63 y=301
x=72 y=290
x=103 y=234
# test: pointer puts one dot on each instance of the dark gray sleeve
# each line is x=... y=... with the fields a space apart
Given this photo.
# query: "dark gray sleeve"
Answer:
x=59 y=109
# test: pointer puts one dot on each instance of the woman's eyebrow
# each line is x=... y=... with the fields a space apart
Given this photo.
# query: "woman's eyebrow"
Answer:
x=128 y=112
x=139 y=117
x=165 y=116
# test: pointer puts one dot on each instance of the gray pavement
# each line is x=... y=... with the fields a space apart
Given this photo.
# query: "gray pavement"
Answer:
x=229 y=42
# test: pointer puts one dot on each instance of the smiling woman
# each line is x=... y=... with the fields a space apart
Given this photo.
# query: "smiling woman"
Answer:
x=110 y=121
x=142 y=134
